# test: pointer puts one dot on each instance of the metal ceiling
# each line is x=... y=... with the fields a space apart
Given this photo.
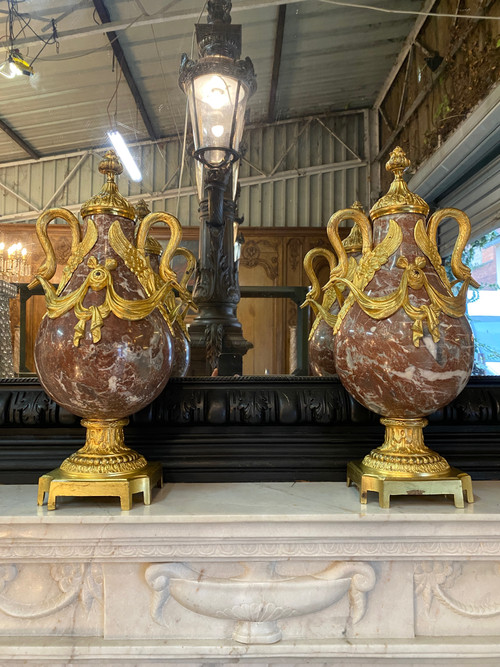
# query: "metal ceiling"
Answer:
x=331 y=58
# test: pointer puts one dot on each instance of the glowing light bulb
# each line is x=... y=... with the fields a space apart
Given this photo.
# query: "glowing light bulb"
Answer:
x=2 y=245
x=214 y=92
x=218 y=130
x=24 y=252
x=9 y=70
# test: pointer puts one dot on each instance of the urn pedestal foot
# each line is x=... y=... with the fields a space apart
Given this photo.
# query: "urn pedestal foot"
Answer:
x=252 y=632
x=452 y=482
x=59 y=483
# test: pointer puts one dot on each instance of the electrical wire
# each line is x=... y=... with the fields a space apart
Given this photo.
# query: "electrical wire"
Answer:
x=355 y=5
x=186 y=114
x=114 y=96
x=164 y=78
x=25 y=24
x=88 y=52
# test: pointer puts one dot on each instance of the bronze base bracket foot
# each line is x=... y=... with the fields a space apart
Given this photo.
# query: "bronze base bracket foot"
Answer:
x=60 y=483
x=452 y=482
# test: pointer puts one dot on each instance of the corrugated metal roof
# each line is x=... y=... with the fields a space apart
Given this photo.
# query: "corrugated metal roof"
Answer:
x=333 y=58
x=294 y=174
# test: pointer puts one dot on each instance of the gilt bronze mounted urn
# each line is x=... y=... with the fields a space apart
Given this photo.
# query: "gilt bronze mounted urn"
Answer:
x=320 y=347
x=104 y=347
x=402 y=344
x=177 y=305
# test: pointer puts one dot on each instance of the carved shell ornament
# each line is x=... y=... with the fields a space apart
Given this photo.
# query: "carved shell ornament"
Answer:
x=259 y=597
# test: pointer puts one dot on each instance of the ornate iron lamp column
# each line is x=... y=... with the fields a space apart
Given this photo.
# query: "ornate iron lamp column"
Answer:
x=218 y=86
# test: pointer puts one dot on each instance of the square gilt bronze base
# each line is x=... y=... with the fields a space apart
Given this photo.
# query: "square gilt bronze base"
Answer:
x=454 y=483
x=58 y=483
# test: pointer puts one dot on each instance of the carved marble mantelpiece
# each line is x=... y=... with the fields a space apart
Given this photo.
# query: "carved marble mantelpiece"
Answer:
x=250 y=574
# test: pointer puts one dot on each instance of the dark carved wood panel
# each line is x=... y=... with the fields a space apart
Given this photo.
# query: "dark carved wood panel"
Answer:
x=247 y=429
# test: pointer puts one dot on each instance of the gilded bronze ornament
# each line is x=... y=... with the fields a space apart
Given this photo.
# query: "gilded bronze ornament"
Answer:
x=402 y=344
x=105 y=348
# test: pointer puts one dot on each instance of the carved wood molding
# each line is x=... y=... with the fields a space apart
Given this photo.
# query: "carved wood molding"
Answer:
x=274 y=428
x=261 y=253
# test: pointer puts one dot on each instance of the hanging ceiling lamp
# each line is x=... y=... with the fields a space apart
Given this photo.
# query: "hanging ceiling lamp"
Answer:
x=218 y=86
x=15 y=65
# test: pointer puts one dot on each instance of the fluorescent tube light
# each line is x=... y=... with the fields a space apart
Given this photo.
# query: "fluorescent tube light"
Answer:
x=125 y=155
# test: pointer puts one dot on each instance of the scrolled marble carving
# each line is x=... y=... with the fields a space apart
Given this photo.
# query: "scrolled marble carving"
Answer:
x=433 y=580
x=259 y=597
x=75 y=581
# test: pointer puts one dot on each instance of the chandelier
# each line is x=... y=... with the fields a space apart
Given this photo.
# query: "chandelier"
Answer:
x=14 y=262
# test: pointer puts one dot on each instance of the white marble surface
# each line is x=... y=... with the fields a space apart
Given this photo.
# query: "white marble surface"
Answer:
x=269 y=501
x=252 y=574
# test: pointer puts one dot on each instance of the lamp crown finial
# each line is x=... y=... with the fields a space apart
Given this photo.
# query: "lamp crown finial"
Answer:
x=219 y=11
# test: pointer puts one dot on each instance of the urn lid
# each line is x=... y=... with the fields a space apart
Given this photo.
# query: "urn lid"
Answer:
x=399 y=199
x=109 y=200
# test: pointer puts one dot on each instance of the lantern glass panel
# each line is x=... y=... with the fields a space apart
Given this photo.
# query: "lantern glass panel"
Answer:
x=217 y=108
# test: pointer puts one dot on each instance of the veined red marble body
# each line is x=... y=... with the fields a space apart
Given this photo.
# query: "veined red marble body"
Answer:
x=128 y=367
x=182 y=352
x=181 y=349
x=321 y=356
x=377 y=361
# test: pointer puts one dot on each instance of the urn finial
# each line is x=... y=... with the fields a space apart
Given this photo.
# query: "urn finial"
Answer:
x=110 y=165
x=398 y=163
x=399 y=199
x=109 y=200
x=142 y=209
x=354 y=241
x=152 y=246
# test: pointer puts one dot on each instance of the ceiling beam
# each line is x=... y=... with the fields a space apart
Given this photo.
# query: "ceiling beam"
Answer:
x=412 y=35
x=165 y=16
x=278 y=46
x=422 y=95
x=19 y=140
x=122 y=61
x=174 y=192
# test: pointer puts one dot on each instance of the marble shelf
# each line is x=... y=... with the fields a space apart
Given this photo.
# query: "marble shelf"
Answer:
x=251 y=574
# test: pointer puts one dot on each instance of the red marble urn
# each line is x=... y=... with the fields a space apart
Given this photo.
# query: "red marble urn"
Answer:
x=104 y=349
x=179 y=307
x=401 y=342
x=320 y=347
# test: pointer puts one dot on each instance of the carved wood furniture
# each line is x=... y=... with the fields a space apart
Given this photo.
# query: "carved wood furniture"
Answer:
x=278 y=428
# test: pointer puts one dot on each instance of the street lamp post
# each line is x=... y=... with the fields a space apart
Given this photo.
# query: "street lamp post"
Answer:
x=218 y=86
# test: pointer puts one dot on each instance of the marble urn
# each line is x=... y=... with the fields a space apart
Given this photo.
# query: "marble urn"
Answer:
x=178 y=306
x=105 y=345
x=320 y=346
x=401 y=342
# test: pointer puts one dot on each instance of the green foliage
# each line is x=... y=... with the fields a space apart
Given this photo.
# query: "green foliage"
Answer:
x=443 y=109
